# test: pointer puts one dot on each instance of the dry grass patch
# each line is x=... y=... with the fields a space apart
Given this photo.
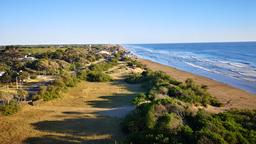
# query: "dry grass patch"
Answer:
x=73 y=119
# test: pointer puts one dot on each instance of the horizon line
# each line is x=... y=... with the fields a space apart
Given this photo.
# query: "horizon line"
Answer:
x=248 y=41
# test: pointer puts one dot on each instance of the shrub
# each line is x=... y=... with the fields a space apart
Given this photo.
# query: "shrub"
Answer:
x=53 y=90
x=95 y=76
x=33 y=76
x=134 y=63
x=140 y=98
x=10 y=108
x=159 y=84
x=134 y=78
x=104 y=66
x=22 y=94
x=161 y=119
x=215 y=102
x=82 y=75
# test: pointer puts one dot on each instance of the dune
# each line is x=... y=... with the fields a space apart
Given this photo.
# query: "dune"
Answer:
x=231 y=97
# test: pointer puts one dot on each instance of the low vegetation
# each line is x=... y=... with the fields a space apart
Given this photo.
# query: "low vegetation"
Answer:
x=9 y=108
x=164 y=114
x=95 y=76
x=159 y=85
x=54 y=89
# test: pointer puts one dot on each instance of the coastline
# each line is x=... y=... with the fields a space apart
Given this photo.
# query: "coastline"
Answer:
x=231 y=97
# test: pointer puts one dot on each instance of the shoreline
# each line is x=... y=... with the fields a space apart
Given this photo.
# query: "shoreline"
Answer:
x=230 y=96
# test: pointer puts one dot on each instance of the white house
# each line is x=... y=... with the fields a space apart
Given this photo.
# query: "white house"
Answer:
x=2 y=73
x=104 y=52
x=27 y=58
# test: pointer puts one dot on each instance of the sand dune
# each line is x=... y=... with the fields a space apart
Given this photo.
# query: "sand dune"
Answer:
x=230 y=96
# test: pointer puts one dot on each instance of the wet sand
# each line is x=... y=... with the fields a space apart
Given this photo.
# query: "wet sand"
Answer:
x=230 y=96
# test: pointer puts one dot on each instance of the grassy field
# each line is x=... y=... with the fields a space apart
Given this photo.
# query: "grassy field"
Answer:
x=76 y=118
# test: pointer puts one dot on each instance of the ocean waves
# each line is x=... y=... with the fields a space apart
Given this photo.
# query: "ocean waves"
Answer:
x=211 y=62
x=238 y=70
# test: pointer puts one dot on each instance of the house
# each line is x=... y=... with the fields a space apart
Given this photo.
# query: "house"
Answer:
x=2 y=73
x=104 y=52
x=27 y=58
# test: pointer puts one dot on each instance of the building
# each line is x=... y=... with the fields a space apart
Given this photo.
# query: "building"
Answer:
x=2 y=73
x=27 y=58
x=104 y=52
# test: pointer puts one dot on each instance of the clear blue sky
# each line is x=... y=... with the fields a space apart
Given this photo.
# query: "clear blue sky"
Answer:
x=126 y=21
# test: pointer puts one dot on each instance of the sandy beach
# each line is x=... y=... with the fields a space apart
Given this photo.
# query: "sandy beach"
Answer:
x=231 y=97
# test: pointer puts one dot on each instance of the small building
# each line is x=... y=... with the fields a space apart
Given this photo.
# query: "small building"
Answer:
x=2 y=73
x=27 y=58
x=104 y=52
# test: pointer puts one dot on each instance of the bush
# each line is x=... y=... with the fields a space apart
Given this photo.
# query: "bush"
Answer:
x=82 y=75
x=53 y=90
x=10 y=108
x=95 y=76
x=104 y=66
x=22 y=94
x=33 y=76
x=134 y=78
x=134 y=63
x=140 y=98
x=159 y=84
x=162 y=118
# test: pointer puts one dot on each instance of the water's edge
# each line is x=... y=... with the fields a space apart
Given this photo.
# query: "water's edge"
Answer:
x=218 y=78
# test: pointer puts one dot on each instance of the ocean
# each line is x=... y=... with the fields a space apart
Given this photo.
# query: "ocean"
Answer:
x=233 y=63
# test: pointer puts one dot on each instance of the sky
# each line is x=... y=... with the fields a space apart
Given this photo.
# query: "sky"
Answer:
x=126 y=21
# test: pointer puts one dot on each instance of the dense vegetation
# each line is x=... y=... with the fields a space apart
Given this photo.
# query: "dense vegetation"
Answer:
x=164 y=114
x=67 y=65
x=159 y=85
x=97 y=73
x=166 y=121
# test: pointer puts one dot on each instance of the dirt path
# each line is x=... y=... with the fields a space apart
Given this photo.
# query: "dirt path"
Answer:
x=88 y=113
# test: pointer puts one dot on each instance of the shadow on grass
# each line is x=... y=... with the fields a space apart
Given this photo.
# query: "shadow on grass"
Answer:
x=118 y=100
x=130 y=87
x=54 y=139
x=73 y=112
x=119 y=112
x=102 y=129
